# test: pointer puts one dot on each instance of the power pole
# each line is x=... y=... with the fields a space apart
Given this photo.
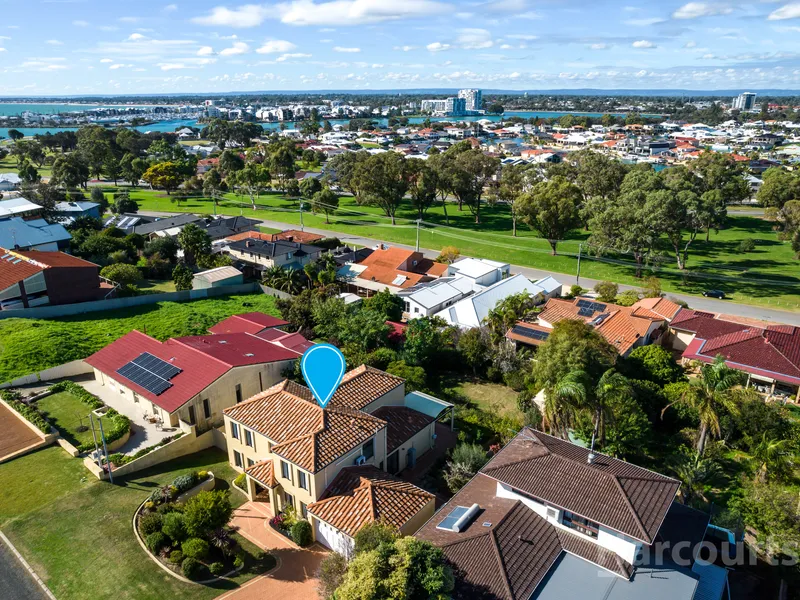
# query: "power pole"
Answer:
x=301 y=217
x=417 y=235
x=578 y=276
x=105 y=450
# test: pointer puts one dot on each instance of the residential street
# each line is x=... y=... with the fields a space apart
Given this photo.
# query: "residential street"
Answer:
x=697 y=302
x=15 y=581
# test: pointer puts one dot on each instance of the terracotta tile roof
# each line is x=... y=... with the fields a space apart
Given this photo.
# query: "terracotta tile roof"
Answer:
x=250 y=235
x=263 y=472
x=362 y=386
x=660 y=306
x=403 y=424
x=508 y=549
x=15 y=270
x=624 y=497
x=385 y=265
x=303 y=432
x=54 y=259
x=361 y=495
x=252 y=322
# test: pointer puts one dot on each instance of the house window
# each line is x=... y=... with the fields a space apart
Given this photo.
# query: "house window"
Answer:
x=122 y=390
x=286 y=472
x=260 y=382
x=248 y=438
x=238 y=393
x=207 y=408
x=303 y=511
x=579 y=524
x=250 y=462
x=416 y=309
x=368 y=449
x=136 y=397
x=393 y=463
x=192 y=416
x=237 y=459
x=235 y=431
x=302 y=480
x=288 y=499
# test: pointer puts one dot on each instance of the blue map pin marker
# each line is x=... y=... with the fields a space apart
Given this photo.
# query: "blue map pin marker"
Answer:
x=323 y=367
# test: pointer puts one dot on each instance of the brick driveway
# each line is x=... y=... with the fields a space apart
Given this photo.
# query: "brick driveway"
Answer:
x=294 y=578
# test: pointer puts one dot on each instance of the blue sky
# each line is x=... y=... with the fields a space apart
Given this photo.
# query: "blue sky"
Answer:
x=112 y=46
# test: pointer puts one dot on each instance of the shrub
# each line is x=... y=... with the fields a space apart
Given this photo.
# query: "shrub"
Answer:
x=174 y=526
x=195 y=548
x=575 y=290
x=156 y=541
x=606 y=291
x=747 y=245
x=168 y=507
x=240 y=481
x=201 y=476
x=150 y=523
x=30 y=413
x=216 y=568
x=183 y=483
x=162 y=494
x=627 y=298
x=207 y=511
x=373 y=535
x=176 y=557
x=330 y=574
x=191 y=568
x=301 y=533
x=465 y=461
x=238 y=562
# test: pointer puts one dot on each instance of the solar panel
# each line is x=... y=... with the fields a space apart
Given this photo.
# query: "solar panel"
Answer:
x=150 y=373
x=597 y=306
x=450 y=520
x=585 y=312
x=534 y=334
x=584 y=303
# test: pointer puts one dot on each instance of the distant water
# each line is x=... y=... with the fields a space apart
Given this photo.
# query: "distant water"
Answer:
x=14 y=108
x=170 y=126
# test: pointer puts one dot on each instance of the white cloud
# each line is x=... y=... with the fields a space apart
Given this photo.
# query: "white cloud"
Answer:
x=474 y=39
x=118 y=66
x=276 y=47
x=106 y=60
x=694 y=10
x=690 y=44
x=136 y=37
x=644 y=22
x=237 y=48
x=80 y=23
x=405 y=48
x=521 y=36
x=643 y=44
x=437 y=47
x=599 y=46
x=170 y=8
x=205 y=51
x=789 y=11
x=335 y=12
x=54 y=42
x=2 y=49
x=289 y=56
x=346 y=50
x=129 y=19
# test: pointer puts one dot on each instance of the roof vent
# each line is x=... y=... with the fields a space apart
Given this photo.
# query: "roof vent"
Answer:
x=249 y=354
x=590 y=458
x=487 y=524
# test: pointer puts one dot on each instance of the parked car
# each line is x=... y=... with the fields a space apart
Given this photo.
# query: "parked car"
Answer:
x=719 y=294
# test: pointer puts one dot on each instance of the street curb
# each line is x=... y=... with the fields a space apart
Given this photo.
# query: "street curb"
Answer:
x=25 y=564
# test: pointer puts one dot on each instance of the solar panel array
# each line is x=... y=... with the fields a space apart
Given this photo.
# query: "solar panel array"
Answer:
x=450 y=520
x=534 y=334
x=592 y=306
x=585 y=312
x=150 y=373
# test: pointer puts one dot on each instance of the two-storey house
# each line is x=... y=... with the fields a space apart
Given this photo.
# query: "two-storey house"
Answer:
x=336 y=466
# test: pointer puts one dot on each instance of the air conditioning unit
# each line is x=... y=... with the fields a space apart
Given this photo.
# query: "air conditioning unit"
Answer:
x=553 y=514
x=361 y=460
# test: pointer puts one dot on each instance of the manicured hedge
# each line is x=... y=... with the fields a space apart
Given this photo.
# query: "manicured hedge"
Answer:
x=27 y=411
x=120 y=459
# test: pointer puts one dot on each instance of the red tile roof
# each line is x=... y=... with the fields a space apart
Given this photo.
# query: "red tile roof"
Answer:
x=704 y=324
x=54 y=259
x=263 y=472
x=403 y=424
x=238 y=349
x=253 y=322
x=384 y=265
x=361 y=495
x=15 y=270
x=362 y=386
x=18 y=265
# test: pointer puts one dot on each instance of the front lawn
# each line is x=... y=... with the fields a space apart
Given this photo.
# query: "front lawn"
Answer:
x=71 y=417
x=77 y=532
x=30 y=345
x=492 y=398
x=155 y=286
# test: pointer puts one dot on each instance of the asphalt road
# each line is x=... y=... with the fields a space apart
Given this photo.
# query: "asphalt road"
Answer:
x=15 y=581
x=696 y=302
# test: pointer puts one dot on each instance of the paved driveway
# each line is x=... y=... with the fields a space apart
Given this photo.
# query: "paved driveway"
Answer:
x=294 y=578
x=16 y=435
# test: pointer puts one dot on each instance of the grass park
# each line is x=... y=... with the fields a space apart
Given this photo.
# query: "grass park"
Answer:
x=30 y=345
x=768 y=275
x=76 y=531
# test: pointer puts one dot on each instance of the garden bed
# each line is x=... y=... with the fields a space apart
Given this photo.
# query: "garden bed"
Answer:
x=183 y=527
x=292 y=527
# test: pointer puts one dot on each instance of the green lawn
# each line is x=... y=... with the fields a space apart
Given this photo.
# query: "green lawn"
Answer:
x=769 y=275
x=155 y=286
x=9 y=165
x=67 y=413
x=492 y=398
x=30 y=345
x=76 y=531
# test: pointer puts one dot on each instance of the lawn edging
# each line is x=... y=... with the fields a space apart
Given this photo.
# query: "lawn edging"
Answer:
x=188 y=494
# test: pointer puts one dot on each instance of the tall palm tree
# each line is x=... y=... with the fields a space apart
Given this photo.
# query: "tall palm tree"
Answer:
x=771 y=457
x=695 y=472
x=708 y=394
x=610 y=385
x=272 y=276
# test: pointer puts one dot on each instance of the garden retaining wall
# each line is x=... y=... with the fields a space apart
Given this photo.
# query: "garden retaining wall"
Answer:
x=63 y=310
x=46 y=438
x=70 y=369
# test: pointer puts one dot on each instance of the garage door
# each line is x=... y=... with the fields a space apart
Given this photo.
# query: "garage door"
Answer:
x=332 y=538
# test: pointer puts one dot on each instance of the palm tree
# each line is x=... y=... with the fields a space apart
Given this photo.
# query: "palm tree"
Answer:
x=272 y=276
x=695 y=472
x=708 y=394
x=771 y=457
x=289 y=281
x=611 y=385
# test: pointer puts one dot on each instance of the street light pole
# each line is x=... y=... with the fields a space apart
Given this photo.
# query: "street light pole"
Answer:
x=301 y=217
x=578 y=276
x=417 y=235
x=105 y=450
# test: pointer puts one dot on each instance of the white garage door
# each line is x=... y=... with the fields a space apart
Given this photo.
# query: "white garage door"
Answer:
x=332 y=538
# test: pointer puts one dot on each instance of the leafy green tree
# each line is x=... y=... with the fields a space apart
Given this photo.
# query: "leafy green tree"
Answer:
x=382 y=181
x=387 y=304
x=282 y=163
x=123 y=204
x=112 y=169
x=132 y=168
x=15 y=134
x=771 y=510
x=212 y=184
x=426 y=337
x=164 y=175
x=372 y=535
x=254 y=178
x=230 y=162
x=779 y=186
x=125 y=275
x=325 y=201
x=470 y=173
x=653 y=363
x=343 y=167
x=365 y=330
x=695 y=473
x=28 y=174
x=551 y=208
x=474 y=347
x=772 y=458
x=98 y=197
x=606 y=291
x=329 y=315
x=709 y=394
x=332 y=568
x=194 y=242
x=507 y=312
x=599 y=178
x=421 y=185
x=516 y=180
x=415 y=377
x=464 y=463
x=183 y=277
x=310 y=186
x=408 y=568
x=70 y=171
x=206 y=512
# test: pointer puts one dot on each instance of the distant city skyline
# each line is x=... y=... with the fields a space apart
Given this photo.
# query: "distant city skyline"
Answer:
x=77 y=47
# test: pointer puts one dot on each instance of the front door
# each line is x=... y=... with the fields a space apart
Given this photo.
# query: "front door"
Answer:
x=393 y=463
x=192 y=417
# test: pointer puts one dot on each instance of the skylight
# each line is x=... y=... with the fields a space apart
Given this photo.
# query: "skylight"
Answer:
x=459 y=518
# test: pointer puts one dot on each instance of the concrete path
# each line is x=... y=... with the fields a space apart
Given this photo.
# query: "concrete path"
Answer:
x=295 y=576
x=696 y=302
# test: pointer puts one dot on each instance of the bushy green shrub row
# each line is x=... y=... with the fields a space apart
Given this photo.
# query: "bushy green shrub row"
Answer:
x=29 y=412
x=80 y=393
x=120 y=459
